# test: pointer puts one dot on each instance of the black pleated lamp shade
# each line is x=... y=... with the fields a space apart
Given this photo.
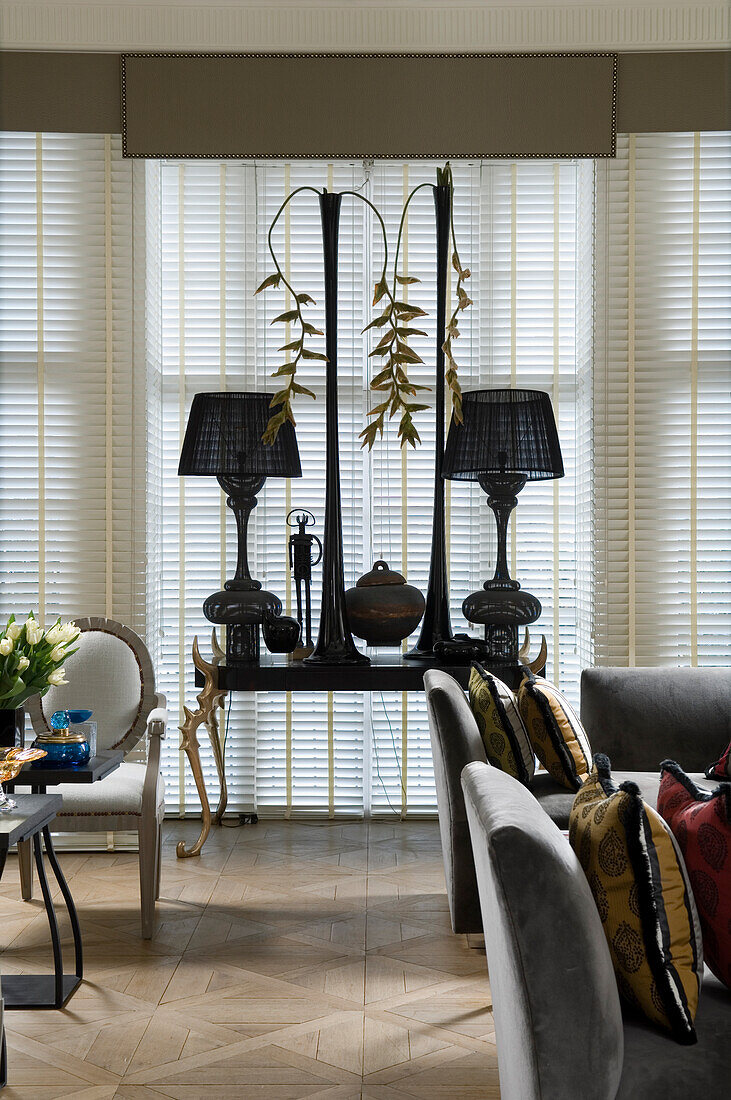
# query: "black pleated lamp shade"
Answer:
x=223 y=438
x=504 y=431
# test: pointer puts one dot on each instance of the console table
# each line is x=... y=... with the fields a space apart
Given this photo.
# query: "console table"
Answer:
x=386 y=672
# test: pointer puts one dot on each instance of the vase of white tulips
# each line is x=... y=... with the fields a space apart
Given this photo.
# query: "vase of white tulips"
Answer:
x=31 y=661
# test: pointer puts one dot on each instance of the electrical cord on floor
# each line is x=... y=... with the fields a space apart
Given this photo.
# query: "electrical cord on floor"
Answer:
x=395 y=753
x=246 y=819
x=243 y=818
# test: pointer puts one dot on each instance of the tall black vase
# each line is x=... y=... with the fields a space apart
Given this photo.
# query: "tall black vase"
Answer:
x=335 y=645
x=436 y=625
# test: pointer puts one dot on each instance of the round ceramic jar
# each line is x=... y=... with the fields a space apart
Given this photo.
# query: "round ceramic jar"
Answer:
x=382 y=608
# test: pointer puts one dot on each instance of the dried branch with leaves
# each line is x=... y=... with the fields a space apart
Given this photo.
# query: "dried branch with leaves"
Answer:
x=444 y=177
x=282 y=400
x=392 y=379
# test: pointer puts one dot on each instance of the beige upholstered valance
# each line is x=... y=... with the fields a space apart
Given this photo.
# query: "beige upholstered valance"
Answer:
x=368 y=105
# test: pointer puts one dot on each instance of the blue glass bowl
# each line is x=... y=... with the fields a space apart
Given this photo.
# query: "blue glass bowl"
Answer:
x=72 y=754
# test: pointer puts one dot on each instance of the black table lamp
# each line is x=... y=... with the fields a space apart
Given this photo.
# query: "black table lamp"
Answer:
x=223 y=440
x=507 y=437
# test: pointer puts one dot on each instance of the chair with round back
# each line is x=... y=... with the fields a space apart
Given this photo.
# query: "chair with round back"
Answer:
x=111 y=674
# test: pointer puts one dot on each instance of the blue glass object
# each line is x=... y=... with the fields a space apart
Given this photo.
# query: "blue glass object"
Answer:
x=63 y=754
x=64 y=750
x=76 y=716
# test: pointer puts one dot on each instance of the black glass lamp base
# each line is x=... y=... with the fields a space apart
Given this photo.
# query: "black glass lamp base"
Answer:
x=243 y=645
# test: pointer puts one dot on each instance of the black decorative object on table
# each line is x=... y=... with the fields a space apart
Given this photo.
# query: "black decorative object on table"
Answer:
x=508 y=437
x=382 y=608
x=301 y=562
x=335 y=645
x=12 y=726
x=223 y=439
x=436 y=625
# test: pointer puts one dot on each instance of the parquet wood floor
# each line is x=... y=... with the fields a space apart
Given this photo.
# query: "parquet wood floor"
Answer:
x=291 y=960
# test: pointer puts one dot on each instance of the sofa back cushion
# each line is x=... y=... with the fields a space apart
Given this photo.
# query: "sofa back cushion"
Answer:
x=639 y=717
x=555 y=1001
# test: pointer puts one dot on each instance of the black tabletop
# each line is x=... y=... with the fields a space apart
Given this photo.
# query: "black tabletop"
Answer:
x=33 y=811
x=35 y=775
x=386 y=672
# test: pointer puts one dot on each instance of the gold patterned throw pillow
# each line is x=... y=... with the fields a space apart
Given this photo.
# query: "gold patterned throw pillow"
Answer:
x=639 y=882
x=556 y=734
x=507 y=745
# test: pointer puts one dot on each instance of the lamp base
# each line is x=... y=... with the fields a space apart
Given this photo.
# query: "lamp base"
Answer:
x=243 y=645
x=241 y=611
x=502 y=609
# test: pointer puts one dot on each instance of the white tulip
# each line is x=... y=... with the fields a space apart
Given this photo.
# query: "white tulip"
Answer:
x=58 y=653
x=33 y=632
x=14 y=631
x=55 y=634
x=69 y=631
x=6 y=646
x=57 y=678
x=23 y=663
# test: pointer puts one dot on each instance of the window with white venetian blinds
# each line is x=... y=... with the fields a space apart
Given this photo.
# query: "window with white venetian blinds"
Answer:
x=525 y=231
x=663 y=401
x=72 y=431
x=128 y=288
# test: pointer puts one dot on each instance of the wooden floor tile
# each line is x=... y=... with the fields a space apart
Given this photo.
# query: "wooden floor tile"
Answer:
x=290 y=961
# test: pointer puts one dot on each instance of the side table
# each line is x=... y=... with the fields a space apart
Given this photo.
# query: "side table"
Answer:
x=38 y=778
x=30 y=821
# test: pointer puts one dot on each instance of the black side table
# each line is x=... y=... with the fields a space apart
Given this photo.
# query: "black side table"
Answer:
x=38 y=778
x=31 y=820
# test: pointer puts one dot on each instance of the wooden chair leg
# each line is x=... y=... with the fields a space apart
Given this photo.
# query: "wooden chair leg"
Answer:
x=158 y=860
x=25 y=864
x=148 y=874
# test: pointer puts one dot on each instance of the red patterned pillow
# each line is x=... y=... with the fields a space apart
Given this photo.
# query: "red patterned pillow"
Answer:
x=701 y=823
x=721 y=768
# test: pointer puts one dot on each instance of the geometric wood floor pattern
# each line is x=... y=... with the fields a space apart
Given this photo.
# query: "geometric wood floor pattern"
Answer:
x=290 y=960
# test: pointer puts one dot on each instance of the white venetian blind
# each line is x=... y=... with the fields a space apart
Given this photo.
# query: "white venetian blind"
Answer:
x=662 y=401
x=72 y=438
x=525 y=231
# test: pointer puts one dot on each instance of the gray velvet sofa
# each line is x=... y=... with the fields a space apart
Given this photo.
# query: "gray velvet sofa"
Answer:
x=638 y=717
x=560 y=1029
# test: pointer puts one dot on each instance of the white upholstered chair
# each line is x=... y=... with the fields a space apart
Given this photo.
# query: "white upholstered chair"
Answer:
x=112 y=675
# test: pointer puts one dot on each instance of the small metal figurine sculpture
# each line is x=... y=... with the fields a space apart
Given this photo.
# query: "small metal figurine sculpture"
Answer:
x=301 y=561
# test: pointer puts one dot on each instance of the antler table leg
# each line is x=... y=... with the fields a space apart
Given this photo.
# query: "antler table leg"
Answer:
x=214 y=733
x=208 y=699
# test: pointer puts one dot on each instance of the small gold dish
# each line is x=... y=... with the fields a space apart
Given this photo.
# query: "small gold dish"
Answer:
x=11 y=762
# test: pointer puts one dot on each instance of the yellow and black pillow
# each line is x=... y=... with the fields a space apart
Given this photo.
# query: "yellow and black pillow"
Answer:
x=507 y=745
x=639 y=882
x=556 y=734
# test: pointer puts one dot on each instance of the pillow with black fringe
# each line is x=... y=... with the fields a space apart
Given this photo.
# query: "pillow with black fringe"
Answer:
x=640 y=885
x=506 y=740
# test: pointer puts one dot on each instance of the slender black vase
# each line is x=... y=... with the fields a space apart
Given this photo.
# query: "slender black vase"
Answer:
x=436 y=625
x=335 y=645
